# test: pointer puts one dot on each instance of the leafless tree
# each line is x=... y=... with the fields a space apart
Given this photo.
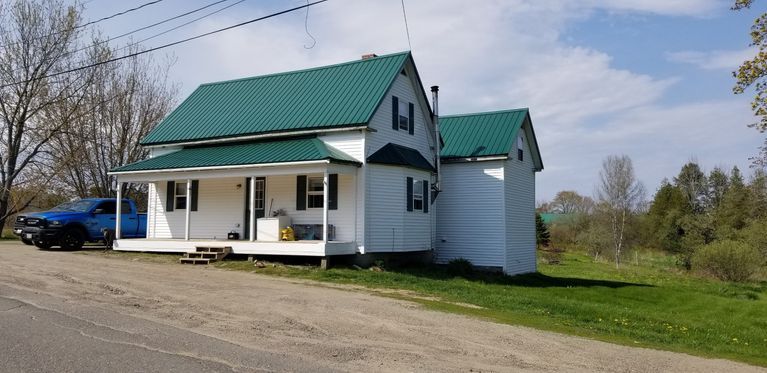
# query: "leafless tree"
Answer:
x=127 y=99
x=620 y=194
x=38 y=38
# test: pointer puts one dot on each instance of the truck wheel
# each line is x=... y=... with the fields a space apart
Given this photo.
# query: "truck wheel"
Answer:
x=27 y=242
x=71 y=239
x=44 y=245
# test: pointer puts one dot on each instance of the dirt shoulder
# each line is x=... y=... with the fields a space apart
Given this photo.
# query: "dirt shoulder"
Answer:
x=338 y=328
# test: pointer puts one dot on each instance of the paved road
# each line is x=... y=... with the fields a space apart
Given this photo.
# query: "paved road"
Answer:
x=74 y=338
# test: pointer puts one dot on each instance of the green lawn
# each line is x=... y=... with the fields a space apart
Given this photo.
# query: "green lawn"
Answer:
x=652 y=305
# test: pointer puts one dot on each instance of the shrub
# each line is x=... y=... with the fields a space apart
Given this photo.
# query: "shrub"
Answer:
x=728 y=260
x=460 y=267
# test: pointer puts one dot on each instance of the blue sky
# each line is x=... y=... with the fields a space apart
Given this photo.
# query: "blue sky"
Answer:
x=646 y=78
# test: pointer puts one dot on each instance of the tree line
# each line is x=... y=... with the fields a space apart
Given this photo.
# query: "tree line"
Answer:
x=715 y=221
x=61 y=132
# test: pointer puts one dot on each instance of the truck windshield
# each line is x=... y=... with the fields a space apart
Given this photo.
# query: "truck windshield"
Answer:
x=76 y=206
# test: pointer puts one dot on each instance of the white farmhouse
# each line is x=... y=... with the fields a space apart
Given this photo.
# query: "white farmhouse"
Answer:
x=347 y=156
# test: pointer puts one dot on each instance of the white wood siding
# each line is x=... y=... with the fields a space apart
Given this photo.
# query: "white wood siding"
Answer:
x=470 y=213
x=283 y=190
x=382 y=123
x=349 y=142
x=389 y=226
x=220 y=209
x=520 y=212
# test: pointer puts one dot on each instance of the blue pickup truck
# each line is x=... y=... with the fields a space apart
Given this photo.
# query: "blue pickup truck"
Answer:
x=72 y=224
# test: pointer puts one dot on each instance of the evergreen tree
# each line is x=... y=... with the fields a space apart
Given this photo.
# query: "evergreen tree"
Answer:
x=734 y=211
x=668 y=207
x=542 y=235
x=758 y=189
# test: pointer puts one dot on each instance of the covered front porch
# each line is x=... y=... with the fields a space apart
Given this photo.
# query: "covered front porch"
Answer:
x=246 y=206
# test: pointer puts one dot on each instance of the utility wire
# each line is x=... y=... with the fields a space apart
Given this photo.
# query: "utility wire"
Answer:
x=167 y=45
x=306 y=28
x=91 y=22
x=407 y=29
x=153 y=25
x=180 y=26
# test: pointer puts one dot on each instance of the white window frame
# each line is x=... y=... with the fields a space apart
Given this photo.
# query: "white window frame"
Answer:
x=417 y=194
x=310 y=192
x=180 y=197
x=404 y=113
x=260 y=196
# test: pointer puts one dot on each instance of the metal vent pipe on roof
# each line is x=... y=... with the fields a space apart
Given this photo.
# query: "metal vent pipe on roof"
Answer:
x=435 y=104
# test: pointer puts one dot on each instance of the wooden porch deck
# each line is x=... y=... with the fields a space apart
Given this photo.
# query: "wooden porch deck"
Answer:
x=297 y=248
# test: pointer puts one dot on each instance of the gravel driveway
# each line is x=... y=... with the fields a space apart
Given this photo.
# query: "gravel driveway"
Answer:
x=334 y=328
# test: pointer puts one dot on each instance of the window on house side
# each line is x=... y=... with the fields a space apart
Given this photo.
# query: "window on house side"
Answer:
x=180 y=196
x=404 y=111
x=314 y=192
x=520 y=146
x=417 y=195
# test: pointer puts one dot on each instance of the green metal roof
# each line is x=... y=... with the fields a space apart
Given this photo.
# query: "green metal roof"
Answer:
x=283 y=151
x=481 y=134
x=401 y=156
x=333 y=96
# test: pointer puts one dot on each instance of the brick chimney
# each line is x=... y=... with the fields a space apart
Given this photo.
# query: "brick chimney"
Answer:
x=368 y=56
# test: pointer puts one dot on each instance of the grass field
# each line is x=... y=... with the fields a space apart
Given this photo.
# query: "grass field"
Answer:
x=649 y=305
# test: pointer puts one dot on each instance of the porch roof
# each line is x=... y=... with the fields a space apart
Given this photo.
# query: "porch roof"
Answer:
x=268 y=152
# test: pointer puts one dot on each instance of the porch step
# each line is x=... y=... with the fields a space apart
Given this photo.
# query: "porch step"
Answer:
x=205 y=254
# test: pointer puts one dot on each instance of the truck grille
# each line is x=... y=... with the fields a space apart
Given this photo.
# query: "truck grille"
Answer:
x=35 y=222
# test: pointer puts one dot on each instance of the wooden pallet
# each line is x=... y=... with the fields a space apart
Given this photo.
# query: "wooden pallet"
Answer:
x=205 y=254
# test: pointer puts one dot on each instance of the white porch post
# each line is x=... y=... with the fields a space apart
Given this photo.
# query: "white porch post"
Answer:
x=252 y=202
x=118 y=211
x=325 y=184
x=188 y=208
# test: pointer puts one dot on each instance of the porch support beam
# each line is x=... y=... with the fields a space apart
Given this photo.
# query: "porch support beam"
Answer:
x=252 y=203
x=325 y=190
x=118 y=211
x=188 y=208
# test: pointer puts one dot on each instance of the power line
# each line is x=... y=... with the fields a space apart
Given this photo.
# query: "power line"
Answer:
x=180 y=26
x=91 y=22
x=407 y=29
x=166 y=45
x=153 y=25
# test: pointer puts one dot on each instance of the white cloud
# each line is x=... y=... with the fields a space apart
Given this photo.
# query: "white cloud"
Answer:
x=713 y=60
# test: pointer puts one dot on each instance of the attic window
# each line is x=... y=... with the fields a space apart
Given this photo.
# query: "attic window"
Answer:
x=403 y=72
x=404 y=121
x=520 y=147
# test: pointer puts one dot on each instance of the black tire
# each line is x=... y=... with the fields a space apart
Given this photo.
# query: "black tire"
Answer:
x=71 y=239
x=27 y=242
x=43 y=245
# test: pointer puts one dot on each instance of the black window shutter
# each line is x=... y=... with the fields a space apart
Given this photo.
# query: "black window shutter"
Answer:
x=195 y=188
x=425 y=196
x=411 y=118
x=301 y=192
x=333 y=192
x=409 y=182
x=395 y=113
x=169 y=194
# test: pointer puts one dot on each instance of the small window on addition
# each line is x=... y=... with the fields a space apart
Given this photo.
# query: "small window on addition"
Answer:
x=520 y=146
x=314 y=192
x=180 y=197
x=404 y=111
x=417 y=195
